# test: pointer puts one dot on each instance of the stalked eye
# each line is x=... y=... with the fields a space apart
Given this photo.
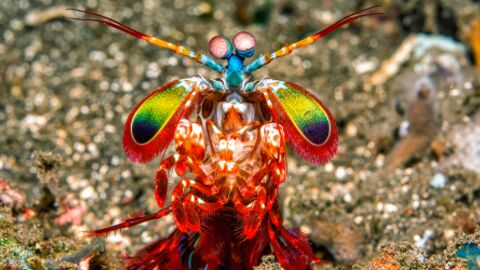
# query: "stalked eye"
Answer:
x=220 y=47
x=244 y=43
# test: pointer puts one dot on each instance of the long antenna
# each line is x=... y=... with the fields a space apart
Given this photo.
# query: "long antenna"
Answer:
x=265 y=59
x=178 y=49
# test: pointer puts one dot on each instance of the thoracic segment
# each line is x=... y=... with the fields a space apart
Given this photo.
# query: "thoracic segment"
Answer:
x=232 y=173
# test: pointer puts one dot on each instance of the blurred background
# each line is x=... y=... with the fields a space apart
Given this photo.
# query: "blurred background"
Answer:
x=403 y=191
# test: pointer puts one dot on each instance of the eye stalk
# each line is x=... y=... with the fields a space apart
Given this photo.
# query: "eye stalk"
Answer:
x=220 y=47
x=244 y=43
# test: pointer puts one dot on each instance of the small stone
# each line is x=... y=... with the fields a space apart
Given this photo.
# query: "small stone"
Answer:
x=328 y=167
x=340 y=173
x=438 y=146
x=351 y=130
x=347 y=197
x=438 y=181
x=390 y=208
x=449 y=234
x=204 y=8
x=88 y=193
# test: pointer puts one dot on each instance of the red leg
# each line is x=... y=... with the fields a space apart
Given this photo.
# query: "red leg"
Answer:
x=201 y=175
x=272 y=198
x=131 y=222
x=278 y=177
x=178 y=208
x=185 y=217
x=208 y=207
x=161 y=177
x=292 y=240
x=259 y=176
x=193 y=220
x=287 y=253
x=161 y=180
x=158 y=253
x=253 y=213
x=184 y=204
x=189 y=140
x=280 y=253
x=179 y=216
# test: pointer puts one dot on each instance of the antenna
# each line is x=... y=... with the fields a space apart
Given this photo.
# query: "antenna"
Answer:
x=263 y=60
x=178 y=49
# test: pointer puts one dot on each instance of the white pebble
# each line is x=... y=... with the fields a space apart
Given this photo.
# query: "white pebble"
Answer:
x=340 y=173
x=438 y=181
x=88 y=193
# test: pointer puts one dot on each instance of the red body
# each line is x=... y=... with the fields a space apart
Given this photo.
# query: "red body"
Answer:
x=229 y=161
x=229 y=157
